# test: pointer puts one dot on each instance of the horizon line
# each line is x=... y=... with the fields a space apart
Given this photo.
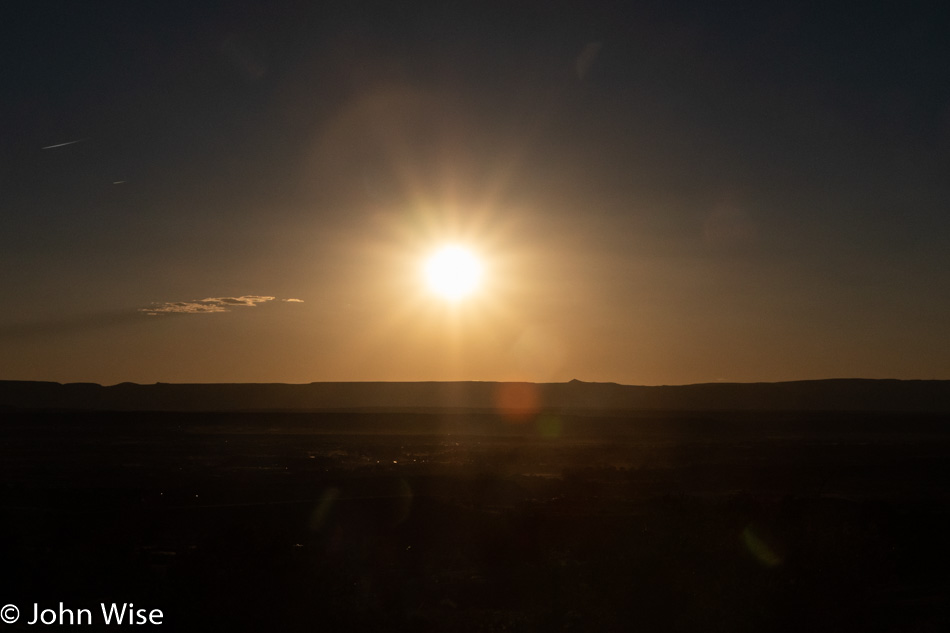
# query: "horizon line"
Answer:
x=528 y=382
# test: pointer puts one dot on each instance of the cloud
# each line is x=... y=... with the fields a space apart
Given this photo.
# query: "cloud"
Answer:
x=82 y=140
x=204 y=306
x=246 y=300
x=293 y=300
x=180 y=307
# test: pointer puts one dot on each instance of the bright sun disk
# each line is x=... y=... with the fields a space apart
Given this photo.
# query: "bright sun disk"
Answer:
x=453 y=272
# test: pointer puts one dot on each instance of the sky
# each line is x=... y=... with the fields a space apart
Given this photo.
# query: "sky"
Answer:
x=659 y=193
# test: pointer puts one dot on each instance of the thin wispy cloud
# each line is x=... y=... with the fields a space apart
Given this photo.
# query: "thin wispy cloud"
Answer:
x=82 y=140
x=182 y=307
x=205 y=306
x=293 y=300
x=246 y=300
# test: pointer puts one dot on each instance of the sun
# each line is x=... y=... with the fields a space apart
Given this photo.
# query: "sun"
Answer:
x=453 y=272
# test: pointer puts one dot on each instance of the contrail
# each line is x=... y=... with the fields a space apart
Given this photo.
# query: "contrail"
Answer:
x=65 y=144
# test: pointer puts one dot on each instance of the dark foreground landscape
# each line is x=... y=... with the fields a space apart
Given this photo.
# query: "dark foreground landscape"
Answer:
x=475 y=521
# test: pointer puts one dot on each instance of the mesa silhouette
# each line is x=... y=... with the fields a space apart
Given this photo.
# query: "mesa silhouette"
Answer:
x=920 y=396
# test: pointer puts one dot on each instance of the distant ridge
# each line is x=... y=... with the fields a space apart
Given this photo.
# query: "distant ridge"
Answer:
x=929 y=396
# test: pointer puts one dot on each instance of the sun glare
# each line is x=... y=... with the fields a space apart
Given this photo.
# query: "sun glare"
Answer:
x=453 y=272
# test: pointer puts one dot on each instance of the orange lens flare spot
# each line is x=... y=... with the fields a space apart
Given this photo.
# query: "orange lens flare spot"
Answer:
x=519 y=402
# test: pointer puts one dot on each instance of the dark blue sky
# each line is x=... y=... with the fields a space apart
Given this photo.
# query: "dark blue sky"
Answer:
x=664 y=192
